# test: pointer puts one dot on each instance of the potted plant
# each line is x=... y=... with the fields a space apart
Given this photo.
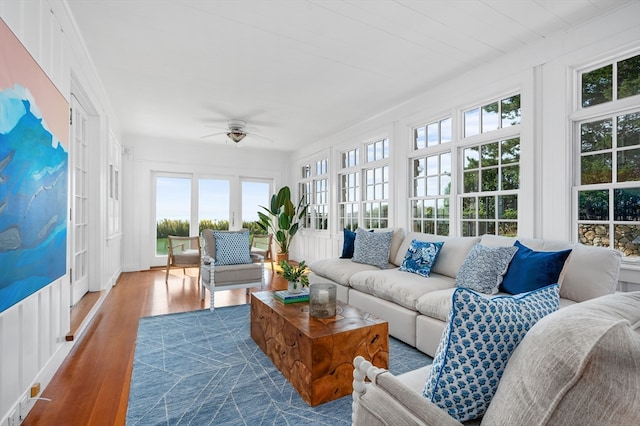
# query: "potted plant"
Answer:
x=282 y=219
x=296 y=275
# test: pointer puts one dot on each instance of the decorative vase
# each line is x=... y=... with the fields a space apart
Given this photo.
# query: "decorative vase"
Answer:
x=282 y=256
x=294 y=287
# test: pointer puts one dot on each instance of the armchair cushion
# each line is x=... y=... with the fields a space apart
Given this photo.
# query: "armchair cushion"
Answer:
x=478 y=340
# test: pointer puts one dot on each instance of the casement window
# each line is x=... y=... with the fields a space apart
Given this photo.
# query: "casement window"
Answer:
x=364 y=190
x=314 y=189
x=490 y=169
x=430 y=195
x=606 y=126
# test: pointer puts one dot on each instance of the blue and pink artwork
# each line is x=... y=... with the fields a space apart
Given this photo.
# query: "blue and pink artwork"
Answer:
x=33 y=175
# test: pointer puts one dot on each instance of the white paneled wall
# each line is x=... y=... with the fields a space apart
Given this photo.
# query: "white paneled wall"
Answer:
x=32 y=332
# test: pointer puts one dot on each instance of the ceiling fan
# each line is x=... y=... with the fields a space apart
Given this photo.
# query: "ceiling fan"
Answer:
x=237 y=131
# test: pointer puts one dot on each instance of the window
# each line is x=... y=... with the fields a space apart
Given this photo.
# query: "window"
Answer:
x=491 y=179
x=431 y=178
x=493 y=116
x=364 y=203
x=607 y=189
x=314 y=189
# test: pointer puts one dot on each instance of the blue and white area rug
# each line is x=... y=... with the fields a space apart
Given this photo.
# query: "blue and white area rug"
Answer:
x=203 y=368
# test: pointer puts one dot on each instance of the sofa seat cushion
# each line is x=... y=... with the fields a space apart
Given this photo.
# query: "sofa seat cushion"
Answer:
x=401 y=287
x=580 y=365
x=234 y=274
x=339 y=270
x=437 y=304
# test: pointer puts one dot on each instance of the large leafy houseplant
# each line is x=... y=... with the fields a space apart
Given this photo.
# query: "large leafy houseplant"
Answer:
x=282 y=218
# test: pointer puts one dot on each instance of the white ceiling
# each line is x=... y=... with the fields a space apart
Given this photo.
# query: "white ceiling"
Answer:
x=296 y=70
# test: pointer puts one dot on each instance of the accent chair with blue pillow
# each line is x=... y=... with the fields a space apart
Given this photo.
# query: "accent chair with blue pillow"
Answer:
x=227 y=263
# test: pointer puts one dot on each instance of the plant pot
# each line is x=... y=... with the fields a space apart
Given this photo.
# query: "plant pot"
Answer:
x=291 y=289
x=282 y=256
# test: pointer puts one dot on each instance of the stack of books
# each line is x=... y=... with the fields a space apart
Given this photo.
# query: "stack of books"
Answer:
x=285 y=297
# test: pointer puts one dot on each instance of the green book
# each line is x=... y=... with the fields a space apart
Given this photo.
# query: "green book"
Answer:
x=285 y=297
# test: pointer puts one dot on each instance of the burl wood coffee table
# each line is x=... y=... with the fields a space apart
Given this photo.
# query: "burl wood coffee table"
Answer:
x=316 y=355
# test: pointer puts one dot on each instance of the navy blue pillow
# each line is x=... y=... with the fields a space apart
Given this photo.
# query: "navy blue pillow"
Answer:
x=530 y=270
x=347 y=246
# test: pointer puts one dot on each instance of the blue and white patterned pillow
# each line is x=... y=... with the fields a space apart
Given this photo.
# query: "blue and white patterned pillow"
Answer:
x=480 y=336
x=232 y=248
x=372 y=248
x=484 y=267
x=420 y=257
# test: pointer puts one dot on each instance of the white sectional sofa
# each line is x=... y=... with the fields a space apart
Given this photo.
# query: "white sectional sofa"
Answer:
x=416 y=307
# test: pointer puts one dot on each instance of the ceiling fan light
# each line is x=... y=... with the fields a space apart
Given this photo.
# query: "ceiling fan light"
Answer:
x=236 y=135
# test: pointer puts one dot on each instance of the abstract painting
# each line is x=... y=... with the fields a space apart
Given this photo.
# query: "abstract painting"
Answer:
x=34 y=134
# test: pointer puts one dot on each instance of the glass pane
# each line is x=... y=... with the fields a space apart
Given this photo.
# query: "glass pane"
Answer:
x=490 y=154
x=471 y=180
x=469 y=208
x=416 y=225
x=629 y=165
x=629 y=77
x=445 y=185
x=510 y=111
x=490 y=117
x=471 y=158
x=508 y=207
x=486 y=228
x=510 y=151
x=593 y=234
x=254 y=195
x=593 y=205
x=627 y=204
x=213 y=202
x=420 y=138
x=416 y=209
x=432 y=186
x=432 y=165
x=472 y=122
x=508 y=229
x=489 y=179
x=468 y=229
x=173 y=210
x=628 y=131
x=442 y=228
x=445 y=163
x=443 y=208
x=429 y=227
x=486 y=207
x=306 y=171
x=429 y=209
x=597 y=86
x=627 y=240
x=445 y=131
x=510 y=177
x=596 y=136
x=595 y=169
x=433 y=134
x=419 y=187
x=371 y=153
x=419 y=167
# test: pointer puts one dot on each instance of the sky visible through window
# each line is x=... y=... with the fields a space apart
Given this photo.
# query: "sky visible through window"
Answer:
x=173 y=199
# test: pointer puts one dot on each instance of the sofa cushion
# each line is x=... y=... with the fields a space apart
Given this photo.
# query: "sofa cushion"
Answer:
x=372 y=248
x=479 y=338
x=451 y=255
x=484 y=268
x=437 y=304
x=338 y=270
x=530 y=269
x=398 y=286
x=580 y=365
x=396 y=241
x=420 y=257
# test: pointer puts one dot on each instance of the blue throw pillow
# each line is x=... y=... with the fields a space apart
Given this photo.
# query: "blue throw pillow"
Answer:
x=480 y=336
x=372 y=248
x=484 y=267
x=347 y=245
x=232 y=248
x=420 y=257
x=530 y=270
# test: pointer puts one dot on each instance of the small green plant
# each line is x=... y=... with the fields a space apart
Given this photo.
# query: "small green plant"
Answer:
x=294 y=273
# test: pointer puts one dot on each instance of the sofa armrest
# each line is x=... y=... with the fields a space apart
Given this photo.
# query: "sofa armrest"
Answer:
x=386 y=400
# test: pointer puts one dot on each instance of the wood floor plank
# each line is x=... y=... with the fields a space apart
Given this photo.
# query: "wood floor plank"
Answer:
x=92 y=385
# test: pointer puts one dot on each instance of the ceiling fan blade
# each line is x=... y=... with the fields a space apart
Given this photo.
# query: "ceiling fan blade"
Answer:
x=253 y=135
x=213 y=134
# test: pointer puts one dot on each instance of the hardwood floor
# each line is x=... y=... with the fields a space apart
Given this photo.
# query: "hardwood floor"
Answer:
x=92 y=385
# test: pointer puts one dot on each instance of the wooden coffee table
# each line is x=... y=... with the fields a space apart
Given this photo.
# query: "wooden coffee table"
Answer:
x=316 y=355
